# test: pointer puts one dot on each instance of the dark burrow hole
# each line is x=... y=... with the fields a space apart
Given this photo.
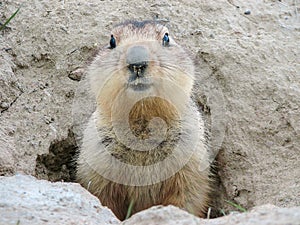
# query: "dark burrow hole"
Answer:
x=60 y=163
x=218 y=194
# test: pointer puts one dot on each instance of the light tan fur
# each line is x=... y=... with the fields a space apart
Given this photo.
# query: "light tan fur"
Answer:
x=172 y=72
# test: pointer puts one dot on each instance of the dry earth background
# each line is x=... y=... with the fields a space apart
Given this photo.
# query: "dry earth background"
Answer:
x=250 y=87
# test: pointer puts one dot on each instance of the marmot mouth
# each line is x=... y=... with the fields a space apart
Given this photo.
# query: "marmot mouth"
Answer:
x=140 y=84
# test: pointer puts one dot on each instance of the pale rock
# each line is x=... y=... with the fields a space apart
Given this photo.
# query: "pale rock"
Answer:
x=26 y=200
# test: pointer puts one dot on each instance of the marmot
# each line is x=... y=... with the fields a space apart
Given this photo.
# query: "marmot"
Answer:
x=145 y=142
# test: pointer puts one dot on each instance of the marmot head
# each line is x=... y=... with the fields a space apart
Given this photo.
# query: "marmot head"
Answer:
x=140 y=69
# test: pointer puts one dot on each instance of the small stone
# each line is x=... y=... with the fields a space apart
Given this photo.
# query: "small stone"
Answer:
x=70 y=94
x=197 y=32
x=11 y=132
x=4 y=105
x=247 y=12
x=48 y=119
x=76 y=74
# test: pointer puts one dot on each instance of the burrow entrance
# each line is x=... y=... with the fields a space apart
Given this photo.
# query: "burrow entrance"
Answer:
x=60 y=163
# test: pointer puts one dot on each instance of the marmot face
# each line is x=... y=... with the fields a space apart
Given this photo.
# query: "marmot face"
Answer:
x=140 y=67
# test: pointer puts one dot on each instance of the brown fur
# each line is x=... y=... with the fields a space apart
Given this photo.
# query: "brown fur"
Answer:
x=172 y=73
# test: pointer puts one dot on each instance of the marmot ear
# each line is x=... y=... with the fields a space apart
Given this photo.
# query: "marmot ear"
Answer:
x=117 y=33
x=161 y=30
x=116 y=36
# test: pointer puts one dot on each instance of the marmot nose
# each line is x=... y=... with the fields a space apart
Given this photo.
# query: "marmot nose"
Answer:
x=138 y=69
x=137 y=58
